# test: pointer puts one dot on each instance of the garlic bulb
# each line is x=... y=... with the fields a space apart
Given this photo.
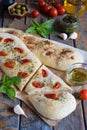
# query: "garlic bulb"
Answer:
x=73 y=35
x=19 y=111
x=63 y=36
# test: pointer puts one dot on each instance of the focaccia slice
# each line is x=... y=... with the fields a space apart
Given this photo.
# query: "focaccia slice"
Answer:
x=54 y=109
x=17 y=59
x=44 y=81
x=50 y=53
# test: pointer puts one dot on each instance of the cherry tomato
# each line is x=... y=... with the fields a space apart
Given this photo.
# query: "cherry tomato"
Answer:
x=45 y=8
x=23 y=74
x=53 y=12
x=58 y=4
x=35 y=13
x=57 y=85
x=25 y=61
x=52 y=96
x=3 y=53
x=41 y=3
x=7 y=40
x=9 y=64
x=19 y=50
x=61 y=10
x=44 y=73
x=37 y=84
x=83 y=94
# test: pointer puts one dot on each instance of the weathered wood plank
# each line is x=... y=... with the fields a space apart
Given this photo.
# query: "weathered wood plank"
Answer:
x=82 y=37
x=81 y=43
x=33 y=122
x=85 y=112
x=8 y=120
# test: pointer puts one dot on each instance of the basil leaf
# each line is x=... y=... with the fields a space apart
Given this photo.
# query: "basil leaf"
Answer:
x=31 y=30
x=34 y=23
x=43 y=29
x=48 y=24
x=15 y=80
x=2 y=89
x=10 y=92
x=6 y=83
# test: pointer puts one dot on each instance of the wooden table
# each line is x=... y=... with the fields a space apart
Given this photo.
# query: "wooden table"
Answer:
x=10 y=121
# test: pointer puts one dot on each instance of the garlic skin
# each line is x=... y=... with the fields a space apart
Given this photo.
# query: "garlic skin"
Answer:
x=63 y=36
x=73 y=35
x=19 y=111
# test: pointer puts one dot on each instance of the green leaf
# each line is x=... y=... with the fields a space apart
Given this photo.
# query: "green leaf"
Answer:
x=2 y=89
x=15 y=80
x=43 y=29
x=10 y=92
x=34 y=23
x=5 y=78
x=31 y=30
x=48 y=24
x=6 y=83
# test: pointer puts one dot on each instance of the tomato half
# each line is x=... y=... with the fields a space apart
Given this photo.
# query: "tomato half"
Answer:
x=37 y=84
x=44 y=73
x=51 y=96
x=57 y=85
x=83 y=94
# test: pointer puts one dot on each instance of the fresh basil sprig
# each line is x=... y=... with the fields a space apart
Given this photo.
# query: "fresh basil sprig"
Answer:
x=43 y=29
x=6 y=85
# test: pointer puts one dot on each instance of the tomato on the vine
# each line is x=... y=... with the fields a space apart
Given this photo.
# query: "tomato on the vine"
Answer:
x=61 y=10
x=35 y=13
x=83 y=94
x=58 y=4
x=41 y=3
x=53 y=12
x=45 y=8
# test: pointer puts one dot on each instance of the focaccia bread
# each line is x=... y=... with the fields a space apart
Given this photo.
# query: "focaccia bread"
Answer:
x=54 y=109
x=49 y=95
x=16 y=59
x=48 y=91
x=49 y=52
x=45 y=81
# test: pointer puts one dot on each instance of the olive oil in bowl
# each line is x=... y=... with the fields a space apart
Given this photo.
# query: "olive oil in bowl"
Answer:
x=77 y=74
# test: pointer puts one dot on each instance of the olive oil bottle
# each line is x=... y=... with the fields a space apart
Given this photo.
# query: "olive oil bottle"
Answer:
x=77 y=7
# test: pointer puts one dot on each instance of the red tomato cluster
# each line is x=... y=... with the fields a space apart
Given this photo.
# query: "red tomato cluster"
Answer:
x=51 y=7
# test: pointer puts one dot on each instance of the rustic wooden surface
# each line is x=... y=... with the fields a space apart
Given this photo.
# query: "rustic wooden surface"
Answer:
x=9 y=121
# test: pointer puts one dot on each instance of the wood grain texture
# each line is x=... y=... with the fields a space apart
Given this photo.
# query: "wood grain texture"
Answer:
x=82 y=34
x=8 y=119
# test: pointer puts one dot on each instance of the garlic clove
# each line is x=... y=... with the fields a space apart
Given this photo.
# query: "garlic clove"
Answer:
x=63 y=36
x=73 y=35
x=19 y=111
